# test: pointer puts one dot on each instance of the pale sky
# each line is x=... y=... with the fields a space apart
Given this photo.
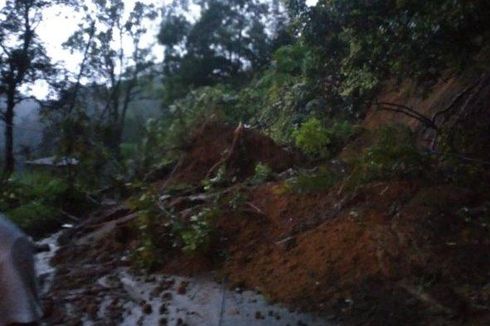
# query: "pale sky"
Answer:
x=61 y=22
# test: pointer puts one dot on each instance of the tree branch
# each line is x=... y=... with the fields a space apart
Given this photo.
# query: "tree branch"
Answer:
x=399 y=108
x=453 y=103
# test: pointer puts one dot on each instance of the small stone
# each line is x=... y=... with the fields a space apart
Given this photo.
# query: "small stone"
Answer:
x=147 y=308
x=287 y=244
x=180 y=322
x=258 y=315
x=163 y=309
x=92 y=310
x=167 y=296
x=182 y=289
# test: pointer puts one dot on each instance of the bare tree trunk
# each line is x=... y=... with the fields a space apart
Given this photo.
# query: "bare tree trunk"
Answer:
x=9 y=166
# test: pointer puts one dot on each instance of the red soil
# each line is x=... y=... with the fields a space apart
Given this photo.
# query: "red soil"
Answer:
x=212 y=143
x=375 y=252
x=394 y=252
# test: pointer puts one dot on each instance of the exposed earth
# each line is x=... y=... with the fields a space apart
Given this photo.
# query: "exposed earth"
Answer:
x=394 y=252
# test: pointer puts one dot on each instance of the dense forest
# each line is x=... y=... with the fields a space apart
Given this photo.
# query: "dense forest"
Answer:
x=332 y=155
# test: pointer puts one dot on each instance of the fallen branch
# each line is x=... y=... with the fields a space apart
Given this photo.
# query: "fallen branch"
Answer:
x=179 y=163
x=462 y=158
x=71 y=217
x=255 y=208
x=236 y=136
x=453 y=103
x=426 y=298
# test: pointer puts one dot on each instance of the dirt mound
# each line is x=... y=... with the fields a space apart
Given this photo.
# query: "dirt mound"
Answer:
x=387 y=254
x=238 y=149
x=395 y=252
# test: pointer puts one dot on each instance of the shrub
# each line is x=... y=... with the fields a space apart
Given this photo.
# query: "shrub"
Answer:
x=153 y=229
x=340 y=132
x=307 y=182
x=35 y=201
x=154 y=239
x=262 y=173
x=197 y=235
x=312 y=138
x=35 y=218
x=319 y=142
x=394 y=154
x=219 y=180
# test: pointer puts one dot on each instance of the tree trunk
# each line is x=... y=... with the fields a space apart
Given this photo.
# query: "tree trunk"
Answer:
x=9 y=137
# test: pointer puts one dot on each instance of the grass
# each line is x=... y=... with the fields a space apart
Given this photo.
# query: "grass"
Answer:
x=35 y=201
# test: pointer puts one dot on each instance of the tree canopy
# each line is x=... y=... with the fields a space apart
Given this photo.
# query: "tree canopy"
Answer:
x=226 y=39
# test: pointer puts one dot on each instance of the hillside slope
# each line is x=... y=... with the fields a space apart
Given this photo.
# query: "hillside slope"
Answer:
x=404 y=249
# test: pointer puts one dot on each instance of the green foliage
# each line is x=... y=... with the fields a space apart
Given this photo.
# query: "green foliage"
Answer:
x=161 y=230
x=153 y=240
x=151 y=152
x=197 y=236
x=312 y=138
x=373 y=40
x=226 y=39
x=394 y=154
x=309 y=182
x=464 y=153
x=217 y=181
x=340 y=132
x=283 y=95
x=236 y=200
x=262 y=173
x=319 y=142
x=35 y=201
x=153 y=231
x=35 y=217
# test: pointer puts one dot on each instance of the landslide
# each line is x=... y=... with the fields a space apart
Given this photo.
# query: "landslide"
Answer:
x=237 y=149
x=395 y=251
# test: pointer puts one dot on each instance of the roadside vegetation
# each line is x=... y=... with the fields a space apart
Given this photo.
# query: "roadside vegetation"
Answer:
x=271 y=131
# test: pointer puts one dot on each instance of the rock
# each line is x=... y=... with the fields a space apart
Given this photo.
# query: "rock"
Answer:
x=180 y=322
x=167 y=296
x=92 y=310
x=147 y=308
x=163 y=309
x=287 y=244
x=182 y=288
x=258 y=315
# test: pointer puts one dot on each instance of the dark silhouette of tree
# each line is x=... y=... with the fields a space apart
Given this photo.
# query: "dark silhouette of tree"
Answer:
x=22 y=60
x=228 y=39
x=111 y=66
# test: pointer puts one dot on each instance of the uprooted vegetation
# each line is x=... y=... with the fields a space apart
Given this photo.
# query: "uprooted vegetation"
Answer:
x=346 y=175
x=384 y=236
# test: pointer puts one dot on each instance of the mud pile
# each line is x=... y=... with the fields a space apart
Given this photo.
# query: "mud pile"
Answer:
x=238 y=149
x=387 y=254
x=391 y=252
